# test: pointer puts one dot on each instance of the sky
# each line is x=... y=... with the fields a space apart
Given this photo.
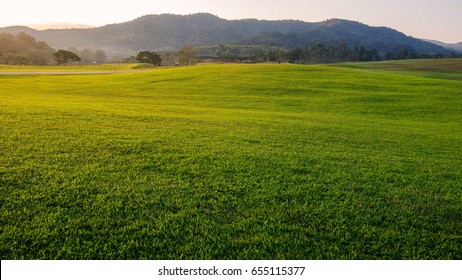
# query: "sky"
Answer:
x=428 y=19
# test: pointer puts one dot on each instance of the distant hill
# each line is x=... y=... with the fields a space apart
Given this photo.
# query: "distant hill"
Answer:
x=353 y=33
x=455 y=47
x=171 y=32
x=58 y=25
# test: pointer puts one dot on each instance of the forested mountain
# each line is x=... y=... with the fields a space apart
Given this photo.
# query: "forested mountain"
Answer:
x=171 y=32
x=336 y=31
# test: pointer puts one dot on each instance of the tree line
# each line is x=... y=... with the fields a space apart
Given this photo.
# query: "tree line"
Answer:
x=313 y=53
x=23 y=49
x=187 y=55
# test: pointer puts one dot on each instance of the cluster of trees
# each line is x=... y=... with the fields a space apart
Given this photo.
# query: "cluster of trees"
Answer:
x=313 y=53
x=322 y=53
x=405 y=53
x=236 y=52
x=185 y=56
x=24 y=49
x=85 y=56
x=88 y=56
x=316 y=53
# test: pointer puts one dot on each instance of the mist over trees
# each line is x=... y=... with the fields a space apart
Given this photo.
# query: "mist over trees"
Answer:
x=91 y=56
x=24 y=49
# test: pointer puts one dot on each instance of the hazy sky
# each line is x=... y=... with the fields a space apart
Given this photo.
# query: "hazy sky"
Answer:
x=430 y=19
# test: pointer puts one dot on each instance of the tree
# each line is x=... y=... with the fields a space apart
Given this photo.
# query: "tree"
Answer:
x=187 y=55
x=87 y=56
x=294 y=55
x=403 y=53
x=276 y=56
x=100 y=56
x=8 y=43
x=342 y=51
x=149 y=57
x=25 y=41
x=168 y=58
x=63 y=57
x=390 y=56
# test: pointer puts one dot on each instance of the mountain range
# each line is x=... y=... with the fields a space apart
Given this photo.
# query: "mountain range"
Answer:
x=171 y=32
x=457 y=47
x=58 y=25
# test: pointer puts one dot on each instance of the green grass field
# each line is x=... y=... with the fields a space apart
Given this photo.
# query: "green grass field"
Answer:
x=67 y=68
x=234 y=162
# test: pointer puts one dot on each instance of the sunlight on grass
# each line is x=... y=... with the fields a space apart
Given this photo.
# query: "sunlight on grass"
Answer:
x=64 y=68
x=231 y=162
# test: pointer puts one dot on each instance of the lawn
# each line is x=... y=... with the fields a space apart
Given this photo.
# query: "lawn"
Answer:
x=68 y=68
x=233 y=162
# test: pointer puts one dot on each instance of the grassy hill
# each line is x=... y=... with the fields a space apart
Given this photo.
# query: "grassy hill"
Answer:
x=233 y=162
